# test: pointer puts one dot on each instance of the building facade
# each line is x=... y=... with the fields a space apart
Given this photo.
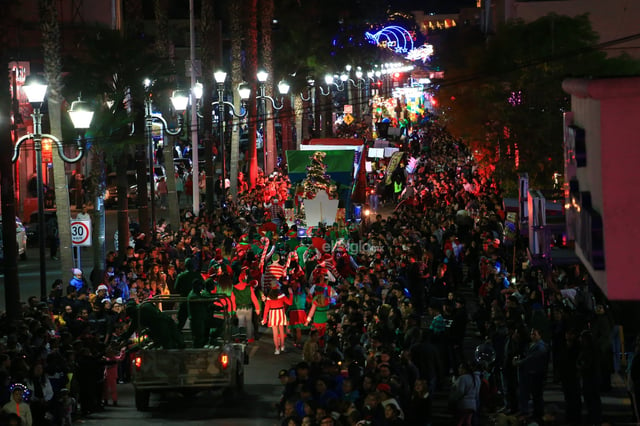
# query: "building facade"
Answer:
x=602 y=150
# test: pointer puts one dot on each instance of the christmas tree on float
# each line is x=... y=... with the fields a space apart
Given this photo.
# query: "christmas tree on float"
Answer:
x=317 y=178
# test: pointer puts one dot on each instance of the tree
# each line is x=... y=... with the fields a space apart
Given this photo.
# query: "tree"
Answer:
x=266 y=18
x=317 y=178
x=211 y=55
x=53 y=71
x=252 y=70
x=510 y=91
x=235 y=10
x=112 y=74
x=7 y=192
x=164 y=49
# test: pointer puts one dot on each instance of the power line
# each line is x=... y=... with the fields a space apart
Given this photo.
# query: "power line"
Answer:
x=534 y=62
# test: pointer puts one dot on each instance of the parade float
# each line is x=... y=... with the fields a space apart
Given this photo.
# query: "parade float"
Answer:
x=325 y=175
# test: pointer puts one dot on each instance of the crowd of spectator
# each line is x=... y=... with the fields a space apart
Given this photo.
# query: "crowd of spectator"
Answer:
x=395 y=329
x=378 y=308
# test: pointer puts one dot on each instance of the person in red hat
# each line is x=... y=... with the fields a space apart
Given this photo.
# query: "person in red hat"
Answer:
x=275 y=316
x=268 y=225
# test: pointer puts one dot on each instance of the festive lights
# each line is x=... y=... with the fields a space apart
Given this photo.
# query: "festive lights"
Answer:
x=400 y=41
x=392 y=37
x=422 y=53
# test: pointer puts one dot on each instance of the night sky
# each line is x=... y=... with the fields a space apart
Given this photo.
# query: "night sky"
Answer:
x=431 y=6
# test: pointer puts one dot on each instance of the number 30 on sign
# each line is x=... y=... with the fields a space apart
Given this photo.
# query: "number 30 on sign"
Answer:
x=81 y=233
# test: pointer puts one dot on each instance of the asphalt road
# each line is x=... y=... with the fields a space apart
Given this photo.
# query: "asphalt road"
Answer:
x=253 y=407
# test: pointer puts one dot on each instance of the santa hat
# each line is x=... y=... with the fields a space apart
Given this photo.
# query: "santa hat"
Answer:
x=318 y=272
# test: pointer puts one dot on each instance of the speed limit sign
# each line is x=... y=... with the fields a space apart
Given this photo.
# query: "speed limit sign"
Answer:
x=81 y=233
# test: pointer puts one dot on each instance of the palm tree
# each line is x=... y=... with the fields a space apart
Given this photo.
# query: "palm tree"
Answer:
x=235 y=10
x=211 y=54
x=10 y=267
x=252 y=70
x=164 y=49
x=113 y=71
x=53 y=71
x=266 y=18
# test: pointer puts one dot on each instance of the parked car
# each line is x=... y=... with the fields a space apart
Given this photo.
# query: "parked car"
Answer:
x=21 y=239
x=31 y=229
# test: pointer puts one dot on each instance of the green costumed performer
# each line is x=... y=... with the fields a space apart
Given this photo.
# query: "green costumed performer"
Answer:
x=183 y=286
x=162 y=329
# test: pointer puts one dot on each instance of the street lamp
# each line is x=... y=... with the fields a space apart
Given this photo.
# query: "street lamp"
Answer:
x=81 y=117
x=180 y=100
x=331 y=80
x=311 y=97
x=244 y=91
x=283 y=88
x=357 y=84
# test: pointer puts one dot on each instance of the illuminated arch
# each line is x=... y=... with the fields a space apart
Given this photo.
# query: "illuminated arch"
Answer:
x=393 y=37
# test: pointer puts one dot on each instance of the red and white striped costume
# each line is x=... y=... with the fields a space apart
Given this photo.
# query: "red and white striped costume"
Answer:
x=275 y=313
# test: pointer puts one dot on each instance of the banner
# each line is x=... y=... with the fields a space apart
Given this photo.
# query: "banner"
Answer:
x=394 y=162
x=339 y=165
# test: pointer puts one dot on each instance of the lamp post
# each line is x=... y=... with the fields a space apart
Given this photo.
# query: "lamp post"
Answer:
x=244 y=91
x=346 y=79
x=283 y=88
x=331 y=81
x=327 y=117
x=81 y=116
x=311 y=97
x=179 y=99
x=359 y=86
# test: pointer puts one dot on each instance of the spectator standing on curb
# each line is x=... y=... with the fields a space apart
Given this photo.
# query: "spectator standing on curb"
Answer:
x=163 y=193
x=78 y=281
x=52 y=237
x=590 y=373
x=532 y=372
x=112 y=361
x=465 y=393
x=419 y=408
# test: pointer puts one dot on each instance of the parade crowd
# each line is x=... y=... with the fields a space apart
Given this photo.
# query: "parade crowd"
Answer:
x=378 y=307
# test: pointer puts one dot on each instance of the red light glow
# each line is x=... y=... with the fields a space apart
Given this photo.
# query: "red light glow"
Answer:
x=224 y=360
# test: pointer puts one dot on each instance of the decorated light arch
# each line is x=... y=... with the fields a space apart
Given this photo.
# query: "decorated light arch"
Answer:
x=392 y=37
x=400 y=41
